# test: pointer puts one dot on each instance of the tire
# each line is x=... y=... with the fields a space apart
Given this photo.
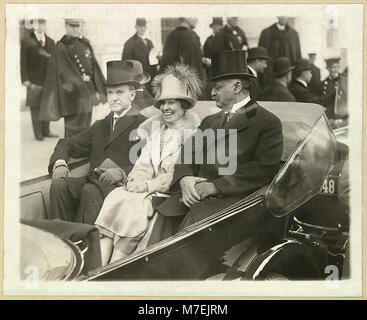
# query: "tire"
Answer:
x=275 y=276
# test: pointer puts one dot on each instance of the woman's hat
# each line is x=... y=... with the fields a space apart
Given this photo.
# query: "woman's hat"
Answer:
x=139 y=74
x=217 y=20
x=121 y=72
x=177 y=81
x=302 y=65
x=281 y=66
x=257 y=53
x=227 y=64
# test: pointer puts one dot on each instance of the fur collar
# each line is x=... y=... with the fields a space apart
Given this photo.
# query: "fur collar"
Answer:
x=189 y=121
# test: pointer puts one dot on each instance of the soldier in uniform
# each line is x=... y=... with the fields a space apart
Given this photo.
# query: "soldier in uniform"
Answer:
x=35 y=53
x=231 y=37
x=315 y=84
x=331 y=87
x=257 y=62
x=299 y=86
x=74 y=81
x=138 y=47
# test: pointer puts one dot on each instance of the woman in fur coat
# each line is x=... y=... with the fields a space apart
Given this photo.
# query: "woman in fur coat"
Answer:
x=126 y=211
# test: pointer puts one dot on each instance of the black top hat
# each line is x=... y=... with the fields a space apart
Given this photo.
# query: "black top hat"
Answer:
x=217 y=20
x=121 y=72
x=302 y=65
x=257 y=53
x=281 y=66
x=141 y=22
x=229 y=64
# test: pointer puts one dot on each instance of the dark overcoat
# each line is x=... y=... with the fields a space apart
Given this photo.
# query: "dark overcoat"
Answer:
x=277 y=92
x=182 y=45
x=136 y=49
x=34 y=60
x=229 y=38
x=281 y=43
x=99 y=143
x=315 y=83
x=255 y=87
x=257 y=153
x=302 y=93
x=65 y=92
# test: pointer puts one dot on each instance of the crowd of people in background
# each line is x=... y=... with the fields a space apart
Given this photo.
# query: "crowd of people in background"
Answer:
x=65 y=80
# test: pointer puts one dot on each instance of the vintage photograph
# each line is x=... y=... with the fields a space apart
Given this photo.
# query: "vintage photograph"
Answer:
x=162 y=149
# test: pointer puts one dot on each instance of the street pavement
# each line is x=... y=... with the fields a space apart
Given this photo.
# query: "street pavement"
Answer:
x=36 y=154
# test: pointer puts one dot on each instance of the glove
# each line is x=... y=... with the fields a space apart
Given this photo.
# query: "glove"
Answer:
x=206 y=189
x=112 y=176
x=60 y=171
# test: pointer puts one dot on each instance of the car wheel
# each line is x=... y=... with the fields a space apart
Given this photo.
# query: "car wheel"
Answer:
x=275 y=276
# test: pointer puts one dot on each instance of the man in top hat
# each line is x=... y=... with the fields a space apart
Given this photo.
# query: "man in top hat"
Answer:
x=331 y=86
x=278 y=90
x=74 y=81
x=35 y=53
x=230 y=37
x=106 y=142
x=257 y=134
x=139 y=46
x=257 y=62
x=315 y=84
x=183 y=45
x=299 y=86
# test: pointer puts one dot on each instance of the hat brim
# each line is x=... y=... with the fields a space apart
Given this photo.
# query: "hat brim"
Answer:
x=303 y=69
x=192 y=101
x=145 y=78
x=213 y=24
x=120 y=83
x=259 y=58
x=283 y=71
x=232 y=75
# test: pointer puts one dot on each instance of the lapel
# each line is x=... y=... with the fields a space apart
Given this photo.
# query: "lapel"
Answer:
x=123 y=124
x=107 y=126
x=171 y=146
x=141 y=43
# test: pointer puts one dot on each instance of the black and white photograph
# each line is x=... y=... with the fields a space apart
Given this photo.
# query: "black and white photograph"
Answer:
x=183 y=150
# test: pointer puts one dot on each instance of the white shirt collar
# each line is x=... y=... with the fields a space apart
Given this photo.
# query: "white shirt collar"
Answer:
x=240 y=104
x=252 y=70
x=116 y=116
x=40 y=36
x=303 y=82
x=280 y=27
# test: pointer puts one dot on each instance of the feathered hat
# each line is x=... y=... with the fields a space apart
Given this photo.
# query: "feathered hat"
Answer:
x=177 y=81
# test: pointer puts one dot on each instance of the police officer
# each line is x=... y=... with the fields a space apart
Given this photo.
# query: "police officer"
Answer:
x=74 y=82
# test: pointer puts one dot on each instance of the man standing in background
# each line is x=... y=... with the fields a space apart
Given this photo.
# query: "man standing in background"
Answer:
x=138 y=48
x=315 y=84
x=231 y=37
x=35 y=53
x=257 y=62
x=74 y=81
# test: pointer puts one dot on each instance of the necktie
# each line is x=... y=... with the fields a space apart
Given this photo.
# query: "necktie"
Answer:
x=115 y=120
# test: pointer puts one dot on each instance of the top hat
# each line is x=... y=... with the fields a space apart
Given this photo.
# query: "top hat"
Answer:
x=217 y=20
x=257 y=53
x=177 y=82
x=139 y=74
x=229 y=64
x=121 y=72
x=73 y=21
x=281 y=66
x=312 y=54
x=302 y=65
x=141 y=22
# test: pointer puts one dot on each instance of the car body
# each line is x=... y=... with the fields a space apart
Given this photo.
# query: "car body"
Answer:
x=267 y=235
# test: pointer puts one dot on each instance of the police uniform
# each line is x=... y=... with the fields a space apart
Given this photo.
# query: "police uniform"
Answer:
x=329 y=88
x=230 y=38
x=73 y=80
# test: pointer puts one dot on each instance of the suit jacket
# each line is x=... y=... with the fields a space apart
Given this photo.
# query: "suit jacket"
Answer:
x=65 y=92
x=281 y=43
x=136 y=49
x=302 y=93
x=258 y=150
x=255 y=88
x=182 y=45
x=277 y=92
x=229 y=38
x=34 y=60
x=99 y=142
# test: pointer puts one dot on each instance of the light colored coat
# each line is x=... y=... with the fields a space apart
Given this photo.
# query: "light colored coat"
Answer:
x=126 y=214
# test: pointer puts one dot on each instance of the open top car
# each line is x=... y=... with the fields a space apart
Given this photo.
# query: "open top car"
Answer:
x=286 y=230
